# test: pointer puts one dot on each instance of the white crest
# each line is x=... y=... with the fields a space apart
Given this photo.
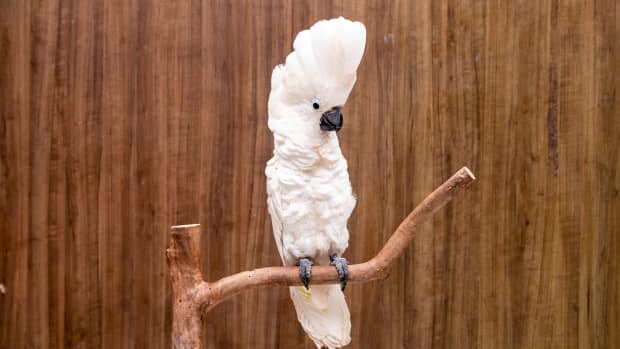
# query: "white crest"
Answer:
x=325 y=60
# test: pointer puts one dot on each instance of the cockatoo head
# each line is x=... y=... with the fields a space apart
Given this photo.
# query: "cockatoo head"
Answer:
x=317 y=77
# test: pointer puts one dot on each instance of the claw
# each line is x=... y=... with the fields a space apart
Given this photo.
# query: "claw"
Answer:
x=343 y=269
x=305 y=270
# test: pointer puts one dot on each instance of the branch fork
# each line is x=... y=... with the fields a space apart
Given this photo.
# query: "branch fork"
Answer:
x=192 y=296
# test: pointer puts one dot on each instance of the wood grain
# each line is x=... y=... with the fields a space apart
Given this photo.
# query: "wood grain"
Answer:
x=120 y=118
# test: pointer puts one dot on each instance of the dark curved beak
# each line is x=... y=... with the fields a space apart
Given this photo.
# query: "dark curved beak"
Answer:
x=332 y=120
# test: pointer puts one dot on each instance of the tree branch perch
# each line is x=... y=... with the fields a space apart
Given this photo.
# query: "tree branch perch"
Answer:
x=192 y=295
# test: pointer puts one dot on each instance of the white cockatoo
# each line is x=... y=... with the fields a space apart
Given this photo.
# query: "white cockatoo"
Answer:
x=309 y=193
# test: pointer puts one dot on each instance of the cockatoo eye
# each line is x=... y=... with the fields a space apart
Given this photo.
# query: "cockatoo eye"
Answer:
x=315 y=104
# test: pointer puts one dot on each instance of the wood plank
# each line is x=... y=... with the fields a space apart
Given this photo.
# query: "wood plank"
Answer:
x=122 y=118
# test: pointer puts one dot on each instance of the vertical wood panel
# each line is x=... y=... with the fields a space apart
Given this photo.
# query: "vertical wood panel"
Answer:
x=121 y=118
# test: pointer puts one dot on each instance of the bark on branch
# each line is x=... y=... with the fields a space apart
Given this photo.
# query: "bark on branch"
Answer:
x=192 y=295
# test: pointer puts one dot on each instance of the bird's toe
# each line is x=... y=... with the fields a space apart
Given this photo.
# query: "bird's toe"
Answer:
x=342 y=267
x=305 y=271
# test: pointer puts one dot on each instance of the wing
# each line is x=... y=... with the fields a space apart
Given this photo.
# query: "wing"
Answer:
x=274 y=206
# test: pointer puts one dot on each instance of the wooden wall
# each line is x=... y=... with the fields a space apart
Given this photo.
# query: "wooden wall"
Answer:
x=123 y=117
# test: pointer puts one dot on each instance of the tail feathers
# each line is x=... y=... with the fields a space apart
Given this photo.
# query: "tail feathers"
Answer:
x=323 y=314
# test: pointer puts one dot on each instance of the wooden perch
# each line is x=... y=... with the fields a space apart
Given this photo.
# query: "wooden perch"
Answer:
x=192 y=295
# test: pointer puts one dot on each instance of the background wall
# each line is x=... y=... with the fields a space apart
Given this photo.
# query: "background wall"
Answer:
x=121 y=118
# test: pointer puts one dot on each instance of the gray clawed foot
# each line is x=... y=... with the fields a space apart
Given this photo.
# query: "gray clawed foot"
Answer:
x=305 y=270
x=343 y=269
